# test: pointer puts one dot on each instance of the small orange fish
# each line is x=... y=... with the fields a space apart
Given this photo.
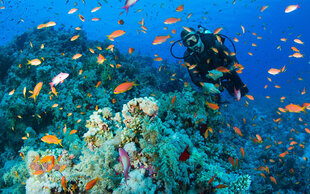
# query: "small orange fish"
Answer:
x=124 y=87
x=243 y=29
x=189 y=15
x=51 y=139
x=95 y=19
x=160 y=39
x=116 y=34
x=64 y=183
x=250 y=97
x=298 y=41
x=242 y=152
x=295 y=108
x=76 y=56
x=34 y=62
x=100 y=59
x=172 y=101
x=91 y=184
x=273 y=179
x=296 y=55
x=264 y=8
x=72 y=132
x=81 y=18
x=98 y=84
x=212 y=106
x=158 y=59
x=38 y=172
x=74 y=37
x=172 y=20
x=36 y=90
x=238 y=131
x=62 y=168
x=73 y=10
x=131 y=50
x=291 y=8
x=95 y=9
x=217 y=30
x=180 y=8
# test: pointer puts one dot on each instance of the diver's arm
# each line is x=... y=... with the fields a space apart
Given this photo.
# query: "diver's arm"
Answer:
x=195 y=76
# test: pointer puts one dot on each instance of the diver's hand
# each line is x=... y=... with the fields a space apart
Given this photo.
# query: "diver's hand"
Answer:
x=214 y=74
x=210 y=88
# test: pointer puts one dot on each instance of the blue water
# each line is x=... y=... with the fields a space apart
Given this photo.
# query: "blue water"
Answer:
x=273 y=25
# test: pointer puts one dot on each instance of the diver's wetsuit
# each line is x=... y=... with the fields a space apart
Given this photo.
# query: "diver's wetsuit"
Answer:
x=198 y=74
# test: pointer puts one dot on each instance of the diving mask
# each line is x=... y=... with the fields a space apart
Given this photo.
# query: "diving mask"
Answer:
x=193 y=42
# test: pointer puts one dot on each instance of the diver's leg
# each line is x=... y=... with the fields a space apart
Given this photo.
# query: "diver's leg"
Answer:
x=234 y=81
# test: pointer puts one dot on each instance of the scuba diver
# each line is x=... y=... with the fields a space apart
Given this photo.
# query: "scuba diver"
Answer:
x=210 y=63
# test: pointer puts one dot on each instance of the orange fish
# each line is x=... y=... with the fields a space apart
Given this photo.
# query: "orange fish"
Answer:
x=81 y=18
x=223 y=69
x=110 y=47
x=51 y=139
x=38 y=172
x=74 y=37
x=217 y=30
x=291 y=8
x=295 y=108
x=64 y=183
x=116 y=34
x=242 y=152
x=298 y=41
x=98 y=84
x=34 y=62
x=100 y=59
x=189 y=15
x=296 y=55
x=172 y=20
x=12 y=92
x=238 y=131
x=91 y=184
x=172 y=101
x=76 y=56
x=294 y=49
x=283 y=154
x=180 y=8
x=41 y=26
x=36 y=90
x=95 y=19
x=273 y=179
x=158 y=59
x=72 y=132
x=250 y=97
x=50 y=24
x=72 y=10
x=95 y=9
x=212 y=106
x=243 y=29
x=124 y=87
x=264 y=8
x=131 y=50
x=160 y=39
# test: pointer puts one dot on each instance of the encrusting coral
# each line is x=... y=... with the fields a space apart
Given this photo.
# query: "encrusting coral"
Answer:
x=154 y=151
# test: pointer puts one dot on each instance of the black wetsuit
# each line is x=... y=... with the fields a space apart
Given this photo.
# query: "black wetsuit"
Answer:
x=198 y=74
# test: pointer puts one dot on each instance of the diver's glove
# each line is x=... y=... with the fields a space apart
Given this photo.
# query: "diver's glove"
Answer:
x=210 y=88
x=214 y=74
